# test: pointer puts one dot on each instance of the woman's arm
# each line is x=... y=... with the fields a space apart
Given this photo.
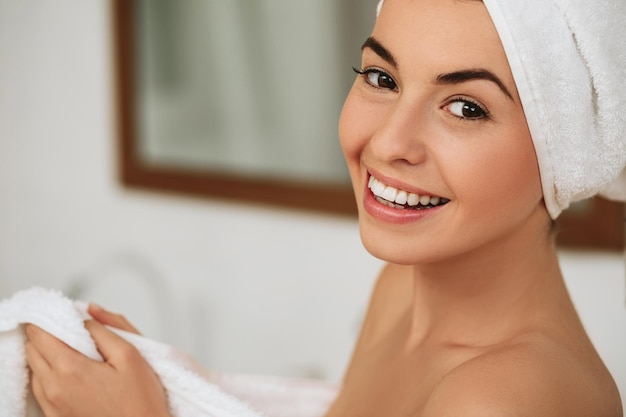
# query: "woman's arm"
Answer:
x=67 y=384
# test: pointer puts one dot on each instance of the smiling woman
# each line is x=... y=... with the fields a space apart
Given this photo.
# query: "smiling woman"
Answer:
x=165 y=58
x=445 y=130
x=471 y=316
x=459 y=162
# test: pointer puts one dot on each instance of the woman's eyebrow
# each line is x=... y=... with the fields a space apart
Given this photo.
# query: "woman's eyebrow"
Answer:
x=456 y=77
x=380 y=50
x=462 y=76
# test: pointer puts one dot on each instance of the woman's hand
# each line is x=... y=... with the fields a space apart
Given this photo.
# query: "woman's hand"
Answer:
x=111 y=319
x=68 y=384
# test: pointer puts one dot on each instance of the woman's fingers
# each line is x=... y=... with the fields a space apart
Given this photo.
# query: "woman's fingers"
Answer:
x=54 y=367
x=68 y=384
x=141 y=384
x=48 y=352
x=40 y=368
x=116 y=351
x=35 y=360
x=111 y=319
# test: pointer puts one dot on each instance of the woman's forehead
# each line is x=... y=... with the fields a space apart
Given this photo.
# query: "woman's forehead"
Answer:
x=440 y=32
x=441 y=18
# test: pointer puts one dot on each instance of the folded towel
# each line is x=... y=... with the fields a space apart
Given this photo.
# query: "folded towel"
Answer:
x=189 y=394
x=568 y=59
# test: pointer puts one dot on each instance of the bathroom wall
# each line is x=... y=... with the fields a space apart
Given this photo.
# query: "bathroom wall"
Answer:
x=242 y=288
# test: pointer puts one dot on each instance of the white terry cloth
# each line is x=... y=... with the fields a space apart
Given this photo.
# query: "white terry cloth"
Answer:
x=189 y=394
x=279 y=396
x=568 y=59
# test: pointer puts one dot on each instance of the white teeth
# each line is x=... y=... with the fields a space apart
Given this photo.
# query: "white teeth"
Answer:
x=413 y=200
x=378 y=188
x=402 y=197
x=390 y=194
x=389 y=203
x=398 y=198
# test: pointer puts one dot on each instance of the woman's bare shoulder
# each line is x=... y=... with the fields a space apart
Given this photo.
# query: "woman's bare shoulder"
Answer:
x=533 y=376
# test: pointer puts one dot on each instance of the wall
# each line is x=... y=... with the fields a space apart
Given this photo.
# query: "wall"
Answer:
x=175 y=266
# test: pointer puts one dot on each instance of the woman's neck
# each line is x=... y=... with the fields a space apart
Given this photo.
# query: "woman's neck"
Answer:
x=487 y=296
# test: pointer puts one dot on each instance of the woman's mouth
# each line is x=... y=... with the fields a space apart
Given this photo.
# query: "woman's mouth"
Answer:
x=400 y=199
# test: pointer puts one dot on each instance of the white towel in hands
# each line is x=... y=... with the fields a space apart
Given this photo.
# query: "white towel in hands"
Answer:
x=189 y=394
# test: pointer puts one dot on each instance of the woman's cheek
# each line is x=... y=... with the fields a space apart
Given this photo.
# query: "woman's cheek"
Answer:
x=349 y=127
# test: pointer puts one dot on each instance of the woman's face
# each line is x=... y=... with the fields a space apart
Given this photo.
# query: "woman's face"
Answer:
x=434 y=116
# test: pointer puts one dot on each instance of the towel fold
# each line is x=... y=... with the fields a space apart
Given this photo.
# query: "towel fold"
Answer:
x=189 y=394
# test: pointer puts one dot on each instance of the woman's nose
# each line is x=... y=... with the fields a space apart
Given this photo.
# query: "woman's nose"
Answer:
x=401 y=136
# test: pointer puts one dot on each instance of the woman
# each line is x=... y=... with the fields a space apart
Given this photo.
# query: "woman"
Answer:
x=471 y=316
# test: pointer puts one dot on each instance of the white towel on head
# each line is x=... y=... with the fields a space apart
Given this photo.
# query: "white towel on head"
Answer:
x=189 y=394
x=568 y=58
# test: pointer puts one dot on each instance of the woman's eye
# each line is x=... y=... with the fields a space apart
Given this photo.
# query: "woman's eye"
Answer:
x=466 y=109
x=377 y=78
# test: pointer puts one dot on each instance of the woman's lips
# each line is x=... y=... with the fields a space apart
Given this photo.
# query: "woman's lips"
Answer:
x=401 y=199
x=394 y=205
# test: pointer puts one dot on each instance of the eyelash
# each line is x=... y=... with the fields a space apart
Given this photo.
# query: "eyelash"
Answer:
x=460 y=99
x=365 y=72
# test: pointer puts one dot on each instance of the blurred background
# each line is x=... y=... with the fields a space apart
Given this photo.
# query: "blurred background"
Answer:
x=242 y=287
